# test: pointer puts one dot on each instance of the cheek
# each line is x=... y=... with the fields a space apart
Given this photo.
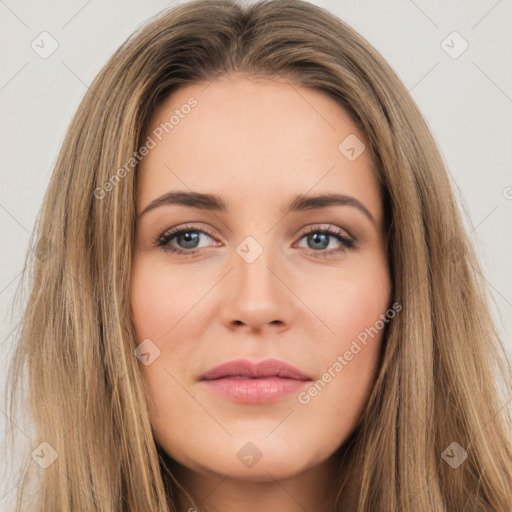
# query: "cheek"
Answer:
x=165 y=310
x=356 y=302
x=160 y=299
x=357 y=313
x=144 y=286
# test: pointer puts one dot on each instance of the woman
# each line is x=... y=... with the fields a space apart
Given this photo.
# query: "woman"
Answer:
x=190 y=346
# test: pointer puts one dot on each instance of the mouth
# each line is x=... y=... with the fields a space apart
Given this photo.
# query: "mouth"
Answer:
x=245 y=382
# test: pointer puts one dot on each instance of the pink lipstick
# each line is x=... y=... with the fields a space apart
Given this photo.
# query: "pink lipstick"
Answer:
x=266 y=381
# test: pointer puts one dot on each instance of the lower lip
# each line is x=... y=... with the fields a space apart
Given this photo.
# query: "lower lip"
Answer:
x=255 y=390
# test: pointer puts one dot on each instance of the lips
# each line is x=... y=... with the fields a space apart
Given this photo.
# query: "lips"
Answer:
x=244 y=369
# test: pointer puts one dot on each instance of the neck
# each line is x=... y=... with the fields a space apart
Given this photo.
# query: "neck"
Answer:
x=311 y=489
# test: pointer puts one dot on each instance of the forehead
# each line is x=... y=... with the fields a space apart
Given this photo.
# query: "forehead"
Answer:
x=269 y=139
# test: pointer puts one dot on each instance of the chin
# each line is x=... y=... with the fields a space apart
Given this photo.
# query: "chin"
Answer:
x=235 y=460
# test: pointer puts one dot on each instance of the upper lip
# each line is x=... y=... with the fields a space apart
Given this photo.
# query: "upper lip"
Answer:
x=244 y=368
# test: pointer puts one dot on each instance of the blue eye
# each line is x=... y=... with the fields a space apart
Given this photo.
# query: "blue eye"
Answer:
x=189 y=236
x=321 y=238
x=188 y=239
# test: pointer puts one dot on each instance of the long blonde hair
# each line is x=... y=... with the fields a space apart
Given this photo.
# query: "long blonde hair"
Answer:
x=443 y=360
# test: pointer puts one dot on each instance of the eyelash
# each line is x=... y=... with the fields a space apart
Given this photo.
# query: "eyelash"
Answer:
x=164 y=238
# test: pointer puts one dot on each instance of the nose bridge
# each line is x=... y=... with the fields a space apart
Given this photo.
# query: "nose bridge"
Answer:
x=256 y=295
x=253 y=263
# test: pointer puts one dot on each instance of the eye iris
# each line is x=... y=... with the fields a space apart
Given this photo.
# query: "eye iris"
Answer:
x=188 y=237
x=324 y=239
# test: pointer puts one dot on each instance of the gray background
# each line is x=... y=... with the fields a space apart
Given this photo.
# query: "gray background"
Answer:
x=467 y=102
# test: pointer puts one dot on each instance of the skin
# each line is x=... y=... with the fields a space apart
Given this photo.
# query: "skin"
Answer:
x=257 y=144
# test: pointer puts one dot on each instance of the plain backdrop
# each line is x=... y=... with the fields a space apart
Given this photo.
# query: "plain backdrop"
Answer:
x=462 y=83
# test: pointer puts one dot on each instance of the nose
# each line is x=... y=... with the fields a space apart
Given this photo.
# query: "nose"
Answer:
x=256 y=295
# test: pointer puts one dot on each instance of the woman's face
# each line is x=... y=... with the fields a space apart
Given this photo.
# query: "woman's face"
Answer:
x=258 y=279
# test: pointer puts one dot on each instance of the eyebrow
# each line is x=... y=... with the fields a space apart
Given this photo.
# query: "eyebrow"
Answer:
x=212 y=202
